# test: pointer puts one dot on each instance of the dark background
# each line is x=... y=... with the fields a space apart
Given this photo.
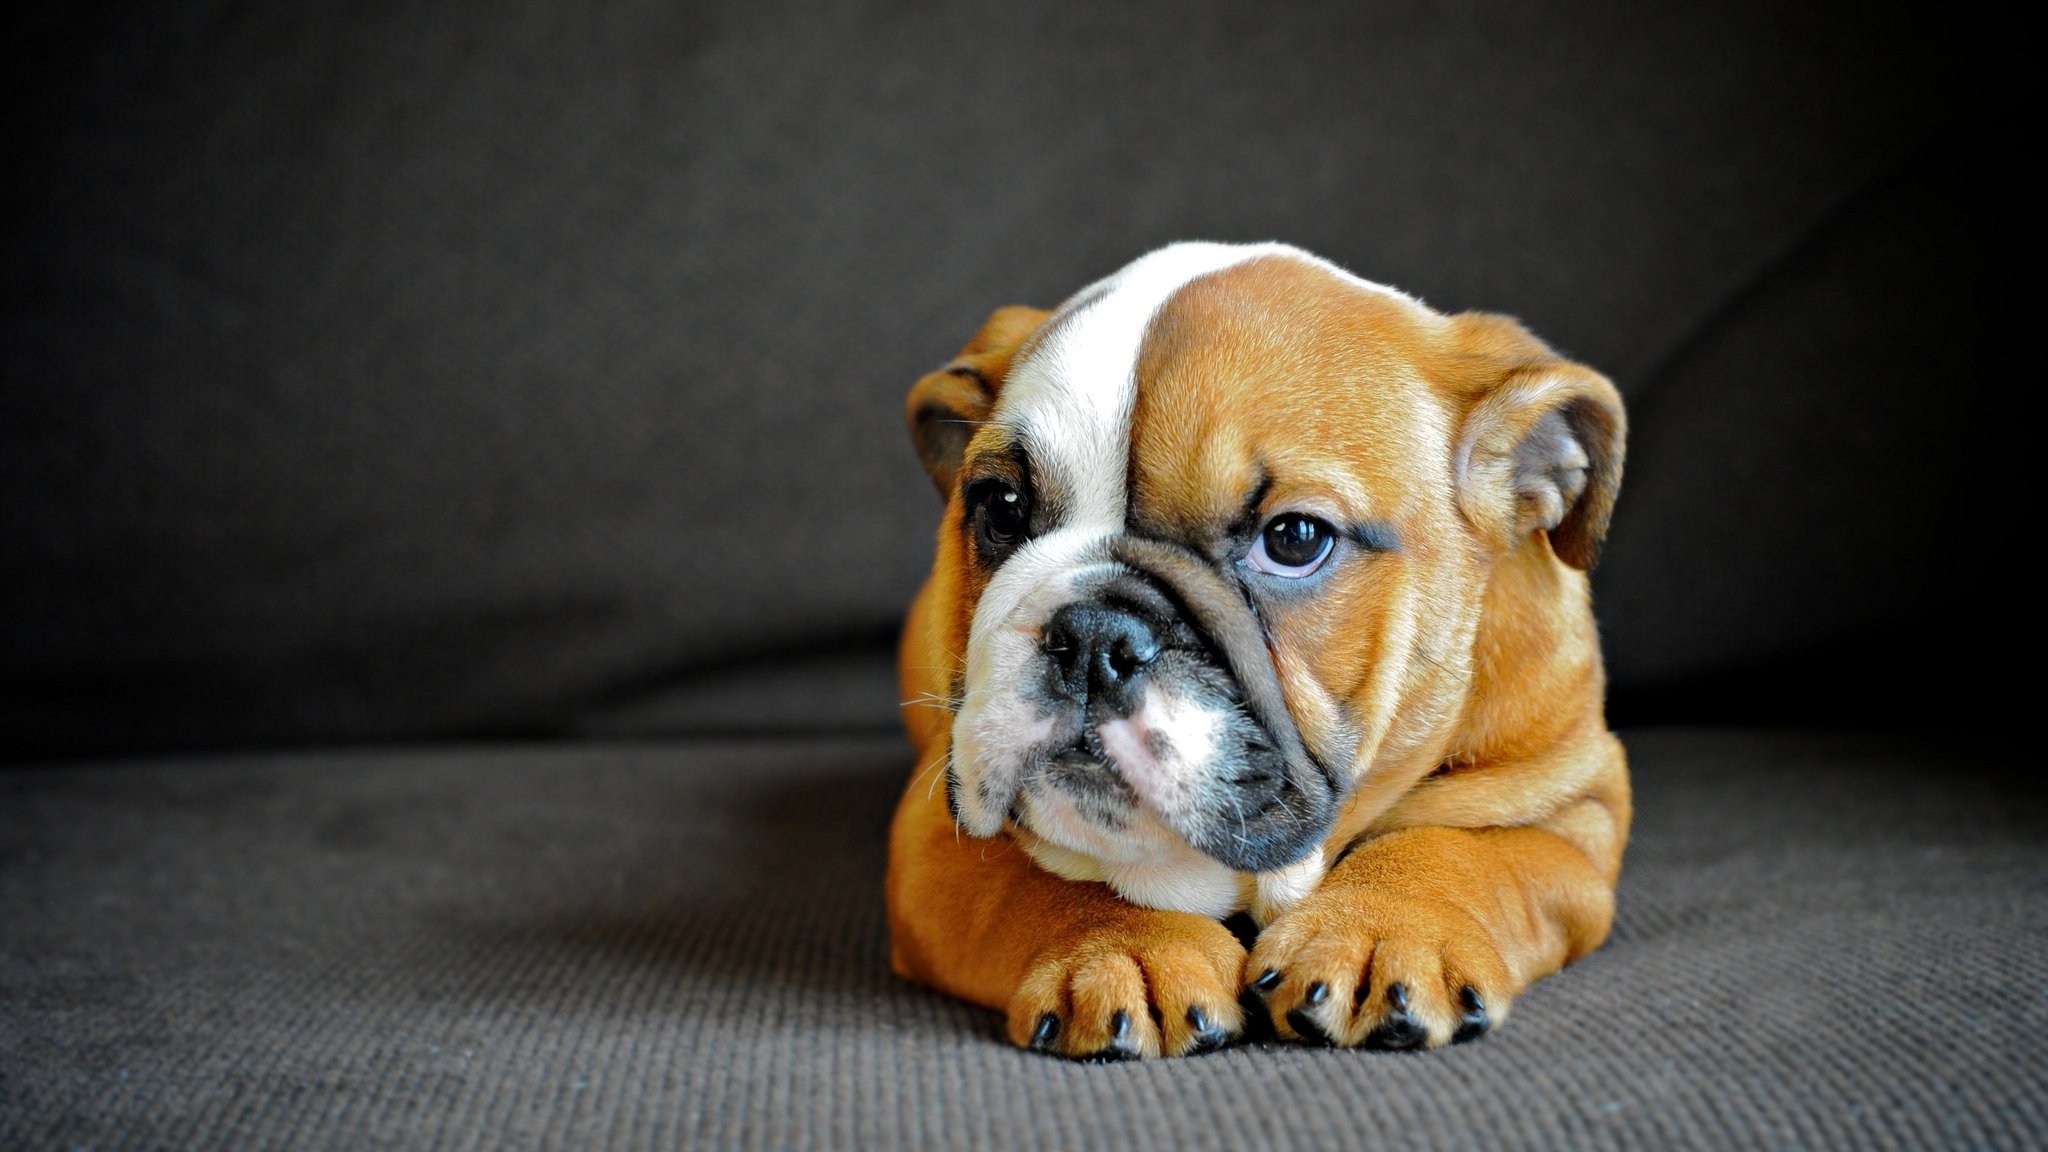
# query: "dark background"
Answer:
x=396 y=372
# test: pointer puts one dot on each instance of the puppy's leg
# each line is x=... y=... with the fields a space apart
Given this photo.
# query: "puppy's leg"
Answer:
x=1424 y=936
x=1078 y=970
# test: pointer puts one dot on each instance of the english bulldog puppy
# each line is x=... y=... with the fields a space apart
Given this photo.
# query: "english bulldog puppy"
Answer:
x=1260 y=589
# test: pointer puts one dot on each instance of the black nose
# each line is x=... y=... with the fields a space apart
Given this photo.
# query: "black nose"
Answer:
x=1099 y=653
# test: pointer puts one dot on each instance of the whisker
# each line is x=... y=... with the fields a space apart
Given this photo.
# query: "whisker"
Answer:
x=933 y=699
x=931 y=770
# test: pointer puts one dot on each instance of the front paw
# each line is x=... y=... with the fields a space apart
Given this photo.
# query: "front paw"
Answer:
x=1350 y=966
x=1154 y=983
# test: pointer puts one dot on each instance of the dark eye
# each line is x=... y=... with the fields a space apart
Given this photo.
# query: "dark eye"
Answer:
x=1291 y=545
x=1001 y=515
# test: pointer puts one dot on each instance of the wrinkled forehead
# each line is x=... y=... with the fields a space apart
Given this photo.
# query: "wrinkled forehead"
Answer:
x=1182 y=362
x=1072 y=391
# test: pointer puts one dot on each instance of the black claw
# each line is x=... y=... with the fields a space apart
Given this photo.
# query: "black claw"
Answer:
x=1472 y=1023
x=1119 y=1025
x=1306 y=1027
x=1208 y=1037
x=1048 y=1029
x=1318 y=992
x=1397 y=997
x=1268 y=981
x=1397 y=1034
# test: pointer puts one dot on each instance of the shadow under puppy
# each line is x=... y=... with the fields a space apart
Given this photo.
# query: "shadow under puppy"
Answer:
x=1260 y=588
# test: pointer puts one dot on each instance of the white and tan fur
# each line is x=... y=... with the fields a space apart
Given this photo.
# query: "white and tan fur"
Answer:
x=1455 y=679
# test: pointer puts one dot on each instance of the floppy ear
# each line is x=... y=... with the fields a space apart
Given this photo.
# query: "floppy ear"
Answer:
x=945 y=408
x=1541 y=451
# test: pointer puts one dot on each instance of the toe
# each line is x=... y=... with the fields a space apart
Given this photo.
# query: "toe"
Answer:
x=1204 y=1032
x=1039 y=1008
x=1397 y=1028
x=1193 y=990
x=1408 y=1005
x=1112 y=1016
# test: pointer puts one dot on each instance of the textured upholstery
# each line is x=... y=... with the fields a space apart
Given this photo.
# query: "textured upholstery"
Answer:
x=1823 y=942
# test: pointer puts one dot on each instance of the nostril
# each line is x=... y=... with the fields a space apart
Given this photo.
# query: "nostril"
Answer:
x=1127 y=655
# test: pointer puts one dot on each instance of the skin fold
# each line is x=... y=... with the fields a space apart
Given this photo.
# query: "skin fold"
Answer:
x=1456 y=681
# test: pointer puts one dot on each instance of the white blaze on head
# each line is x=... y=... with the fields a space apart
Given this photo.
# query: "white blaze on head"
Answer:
x=1068 y=401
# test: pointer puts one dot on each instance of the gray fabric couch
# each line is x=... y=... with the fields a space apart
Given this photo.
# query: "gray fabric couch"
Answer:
x=454 y=514
x=1824 y=940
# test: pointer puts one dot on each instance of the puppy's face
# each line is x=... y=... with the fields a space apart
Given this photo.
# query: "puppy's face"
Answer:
x=1217 y=535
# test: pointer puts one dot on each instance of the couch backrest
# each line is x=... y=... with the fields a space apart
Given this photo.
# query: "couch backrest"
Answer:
x=394 y=372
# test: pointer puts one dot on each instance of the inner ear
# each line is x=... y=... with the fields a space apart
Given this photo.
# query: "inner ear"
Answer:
x=1542 y=452
x=946 y=407
x=944 y=410
x=1549 y=473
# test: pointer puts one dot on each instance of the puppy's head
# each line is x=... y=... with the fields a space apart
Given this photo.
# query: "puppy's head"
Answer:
x=1217 y=533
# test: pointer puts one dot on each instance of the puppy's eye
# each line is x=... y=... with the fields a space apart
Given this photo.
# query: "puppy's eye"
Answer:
x=1291 y=545
x=1001 y=515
